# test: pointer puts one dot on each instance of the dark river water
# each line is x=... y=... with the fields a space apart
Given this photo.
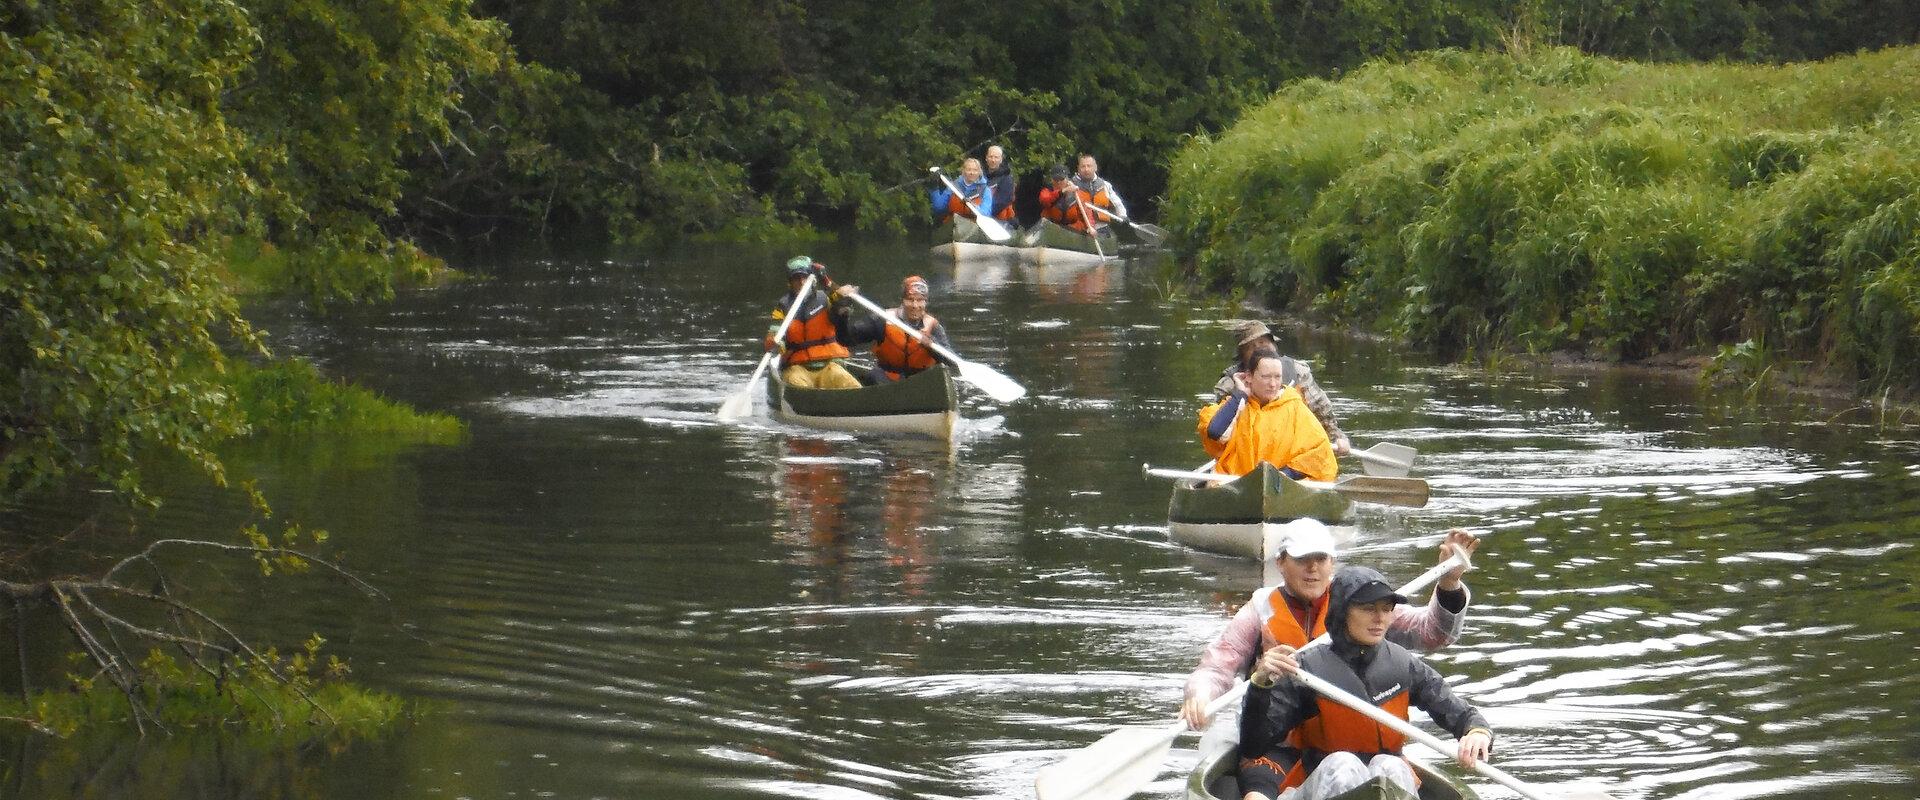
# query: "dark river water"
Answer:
x=605 y=594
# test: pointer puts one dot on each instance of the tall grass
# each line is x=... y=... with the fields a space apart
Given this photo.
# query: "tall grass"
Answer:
x=1561 y=201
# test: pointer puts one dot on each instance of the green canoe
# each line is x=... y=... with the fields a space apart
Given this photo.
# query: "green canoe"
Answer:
x=1215 y=779
x=960 y=239
x=1048 y=243
x=923 y=404
x=1229 y=518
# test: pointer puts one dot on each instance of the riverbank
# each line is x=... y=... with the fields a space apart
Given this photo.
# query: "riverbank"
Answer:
x=1556 y=203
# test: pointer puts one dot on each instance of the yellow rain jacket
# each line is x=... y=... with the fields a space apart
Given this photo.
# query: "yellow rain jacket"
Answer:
x=1282 y=433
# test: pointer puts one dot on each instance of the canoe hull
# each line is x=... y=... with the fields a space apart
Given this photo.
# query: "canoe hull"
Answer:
x=1229 y=518
x=921 y=405
x=960 y=239
x=1047 y=243
x=1215 y=779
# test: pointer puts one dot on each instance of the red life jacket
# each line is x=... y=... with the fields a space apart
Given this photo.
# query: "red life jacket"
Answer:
x=811 y=337
x=899 y=354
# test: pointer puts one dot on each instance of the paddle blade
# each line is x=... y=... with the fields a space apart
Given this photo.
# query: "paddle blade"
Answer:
x=1113 y=768
x=737 y=407
x=993 y=229
x=1150 y=233
x=990 y=381
x=1386 y=459
x=1408 y=492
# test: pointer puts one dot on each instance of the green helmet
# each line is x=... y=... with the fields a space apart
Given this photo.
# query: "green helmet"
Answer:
x=799 y=265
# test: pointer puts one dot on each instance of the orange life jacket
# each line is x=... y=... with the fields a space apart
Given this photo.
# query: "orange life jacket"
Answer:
x=1076 y=217
x=899 y=354
x=1006 y=213
x=958 y=205
x=1343 y=728
x=811 y=337
x=1278 y=626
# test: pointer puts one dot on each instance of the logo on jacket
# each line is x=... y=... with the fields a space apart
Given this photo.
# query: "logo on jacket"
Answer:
x=1390 y=691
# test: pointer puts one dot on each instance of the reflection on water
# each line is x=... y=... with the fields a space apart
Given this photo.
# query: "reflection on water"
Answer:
x=607 y=594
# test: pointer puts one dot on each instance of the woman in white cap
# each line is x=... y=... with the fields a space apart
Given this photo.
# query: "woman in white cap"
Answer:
x=1278 y=620
x=1335 y=749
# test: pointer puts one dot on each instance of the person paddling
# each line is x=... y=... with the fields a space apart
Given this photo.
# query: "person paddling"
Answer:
x=999 y=175
x=1086 y=176
x=1060 y=200
x=1278 y=620
x=896 y=354
x=973 y=188
x=1340 y=749
x=1251 y=336
x=812 y=351
x=1266 y=420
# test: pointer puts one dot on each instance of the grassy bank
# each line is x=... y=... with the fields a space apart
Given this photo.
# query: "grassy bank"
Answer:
x=1555 y=201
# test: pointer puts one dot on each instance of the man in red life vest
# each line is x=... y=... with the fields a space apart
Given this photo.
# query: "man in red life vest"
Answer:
x=811 y=350
x=896 y=354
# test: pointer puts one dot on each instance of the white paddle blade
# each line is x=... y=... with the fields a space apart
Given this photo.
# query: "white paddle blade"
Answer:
x=1113 y=768
x=992 y=228
x=1386 y=460
x=737 y=407
x=990 y=381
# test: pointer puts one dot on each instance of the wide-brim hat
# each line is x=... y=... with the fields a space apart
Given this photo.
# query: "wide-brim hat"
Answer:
x=1249 y=331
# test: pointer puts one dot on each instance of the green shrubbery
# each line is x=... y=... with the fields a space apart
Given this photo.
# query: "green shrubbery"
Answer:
x=301 y=696
x=1561 y=201
x=292 y=397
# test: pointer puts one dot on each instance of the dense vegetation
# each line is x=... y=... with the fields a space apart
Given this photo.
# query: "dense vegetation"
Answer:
x=1559 y=200
x=676 y=116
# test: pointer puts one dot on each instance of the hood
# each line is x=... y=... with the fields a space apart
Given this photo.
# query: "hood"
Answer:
x=1347 y=581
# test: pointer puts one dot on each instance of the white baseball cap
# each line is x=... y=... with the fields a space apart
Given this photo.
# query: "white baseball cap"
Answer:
x=1300 y=538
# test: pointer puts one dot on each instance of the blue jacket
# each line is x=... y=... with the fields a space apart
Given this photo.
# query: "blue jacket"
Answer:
x=980 y=192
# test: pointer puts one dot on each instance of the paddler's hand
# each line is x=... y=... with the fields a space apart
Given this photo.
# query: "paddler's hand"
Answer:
x=1194 y=711
x=845 y=289
x=1342 y=445
x=1240 y=384
x=1458 y=541
x=1276 y=662
x=1474 y=747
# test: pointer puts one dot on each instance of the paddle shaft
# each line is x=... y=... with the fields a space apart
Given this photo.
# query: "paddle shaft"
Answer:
x=989 y=225
x=1407 y=729
x=1184 y=475
x=911 y=331
x=779 y=334
x=1092 y=232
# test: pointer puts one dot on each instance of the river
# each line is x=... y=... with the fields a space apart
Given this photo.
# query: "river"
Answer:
x=605 y=594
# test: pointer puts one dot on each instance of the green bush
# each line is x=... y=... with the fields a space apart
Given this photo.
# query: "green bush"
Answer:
x=1559 y=200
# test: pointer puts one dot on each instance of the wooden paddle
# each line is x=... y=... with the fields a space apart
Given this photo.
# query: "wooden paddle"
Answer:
x=1386 y=459
x=740 y=404
x=1407 y=492
x=1116 y=766
x=1405 y=728
x=988 y=225
x=987 y=379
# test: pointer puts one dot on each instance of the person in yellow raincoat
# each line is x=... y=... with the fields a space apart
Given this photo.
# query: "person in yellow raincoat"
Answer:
x=1264 y=419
